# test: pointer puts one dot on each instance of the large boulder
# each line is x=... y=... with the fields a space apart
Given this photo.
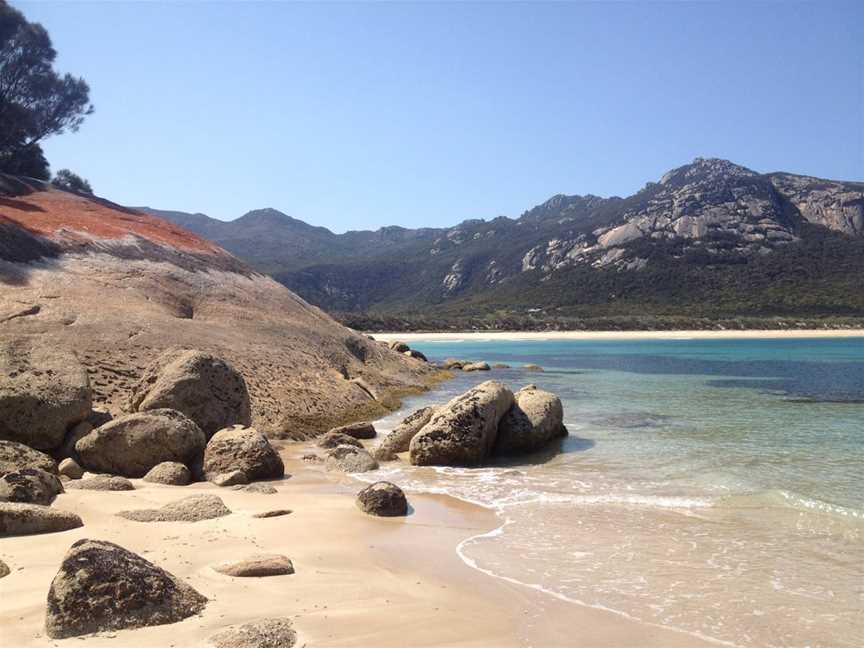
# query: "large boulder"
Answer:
x=170 y=473
x=536 y=418
x=26 y=519
x=29 y=486
x=194 y=508
x=133 y=444
x=349 y=459
x=102 y=586
x=359 y=430
x=333 y=439
x=266 y=633
x=14 y=456
x=399 y=440
x=203 y=387
x=257 y=566
x=244 y=449
x=462 y=432
x=383 y=499
x=43 y=392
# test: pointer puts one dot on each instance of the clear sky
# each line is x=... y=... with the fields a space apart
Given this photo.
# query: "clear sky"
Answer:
x=355 y=116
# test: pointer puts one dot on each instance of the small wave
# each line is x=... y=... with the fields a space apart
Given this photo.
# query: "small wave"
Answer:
x=785 y=499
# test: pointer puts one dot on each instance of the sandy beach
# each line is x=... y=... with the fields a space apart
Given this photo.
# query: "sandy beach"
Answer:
x=622 y=335
x=359 y=581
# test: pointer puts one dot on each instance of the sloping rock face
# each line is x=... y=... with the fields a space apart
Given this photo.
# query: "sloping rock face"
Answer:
x=29 y=486
x=203 y=387
x=243 y=449
x=117 y=288
x=14 y=456
x=27 y=519
x=399 y=440
x=462 y=432
x=535 y=418
x=102 y=586
x=43 y=391
x=836 y=205
x=133 y=444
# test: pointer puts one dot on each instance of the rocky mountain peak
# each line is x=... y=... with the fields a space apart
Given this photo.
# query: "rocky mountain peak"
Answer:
x=706 y=170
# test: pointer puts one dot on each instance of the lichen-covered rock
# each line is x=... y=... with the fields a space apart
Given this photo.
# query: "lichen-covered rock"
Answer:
x=399 y=440
x=535 y=418
x=349 y=459
x=462 y=432
x=102 y=586
x=266 y=633
x=29 y=486
x=194 y=508
x=205 y=388
x=257 y=566
x=102 y=483
x=243 y=449
x=384 y=499
x=333 y=439
x=359 y=430
x=14 y=456
x=70 y=468
x=170 y=473
x=43 y=392
x=133 y=444
x=28 y=519
x=476 y=366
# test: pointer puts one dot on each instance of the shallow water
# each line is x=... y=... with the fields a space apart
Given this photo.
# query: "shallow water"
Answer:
x=716 y=487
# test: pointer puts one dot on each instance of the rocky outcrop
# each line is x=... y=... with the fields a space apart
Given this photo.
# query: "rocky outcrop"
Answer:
x=29 y=486
x=476 y=366
x=101 y=586
x=462 y=432
x=102 y=483
x=170 y=473
x=27 y=519
x=205 y=388
x=14 y=456
x=535 y=419
x=243 y=449
x=349 y=459
x=194 y=508
x=43 y=392
x=399 y=440
x=334 y=438
x=383 y=499
x=70 y=468
x=133 y=444
x=359 y=430
x=453 y=363
x=257 y=566
x=266 y=633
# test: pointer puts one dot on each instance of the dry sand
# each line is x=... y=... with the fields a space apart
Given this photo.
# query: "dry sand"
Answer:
x=620 y=335
x=360 y=581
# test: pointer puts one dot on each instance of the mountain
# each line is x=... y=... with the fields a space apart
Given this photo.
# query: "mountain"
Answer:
x=117 y=287
x=709 y=239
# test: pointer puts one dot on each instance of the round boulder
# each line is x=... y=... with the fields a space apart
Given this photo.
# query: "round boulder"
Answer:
x=102 y=586
x=205 y=388
x=384 y=499
x=70 y=468
x=359 y=430
x=170 y=473
x=349 y=459
x=244 y=449
x=334 y=438
x=14 y=456
x=133 y=444
x=27 y=519
x=29 y=486
x=535 y=418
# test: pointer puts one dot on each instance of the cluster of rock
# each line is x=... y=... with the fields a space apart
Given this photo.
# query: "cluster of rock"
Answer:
x=472 y=365
x=404 y=349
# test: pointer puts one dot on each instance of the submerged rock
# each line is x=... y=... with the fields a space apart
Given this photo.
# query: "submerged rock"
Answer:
x=349 y=459
x=170 y=473
x=535 y=418
x=194 y=508
x=102 y=586
x=532 y=367
x=257 y=566
x=27 y=519
x=399 y=440
x=29 y=486
x=384 y=499
x=243 y=449
x=266 y=633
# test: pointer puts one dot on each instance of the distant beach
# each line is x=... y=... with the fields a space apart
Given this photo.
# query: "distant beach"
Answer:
x=622 y=335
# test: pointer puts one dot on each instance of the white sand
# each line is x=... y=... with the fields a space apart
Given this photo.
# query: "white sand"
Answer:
x=621 y=335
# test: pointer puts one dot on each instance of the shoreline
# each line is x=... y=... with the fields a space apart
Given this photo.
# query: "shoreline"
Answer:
x=751 y=334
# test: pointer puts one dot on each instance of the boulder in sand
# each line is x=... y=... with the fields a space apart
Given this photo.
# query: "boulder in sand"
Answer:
x=399 y=440
x=102 y=586
x=266 y=633
x=205 y=388
x=536 y=418
x=133 y=444
x=333 y=439
x=70 y=468
x=28 y=519
x=476 y=366
x=189 y=509
x=262 y=489
x=384 y=499
x=257 y=566
x=4 y=569
x=462 y=432
x=43 y=392
x=170 y=473
x=102 y=483
x=233 y=478
x=359 y=430
x=14 y=455
x=273 y=513
x=349 y=459
x=29 y=486
x=245 y=449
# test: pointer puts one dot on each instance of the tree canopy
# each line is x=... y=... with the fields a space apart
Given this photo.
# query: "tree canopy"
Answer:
x=65 y=179
x=35 y=100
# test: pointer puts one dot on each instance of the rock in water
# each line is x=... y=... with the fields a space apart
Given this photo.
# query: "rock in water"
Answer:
x=170 y=473
x=43 y=392
x=453 y=363
x=532 y=367
x=14 y=456
x=476 y=366
x=244 y=449
x=102 y=483
x=361 y=430
x=384 y=499
x=536 y=418
x=399 y=440
x=417 y=355
x=133 y=444
x=333 y=439
x=102 y=586
x=29 y=486
x=258 y=566
x=189 y=509
x=205 y=388
x=267 y=633
x=349 y=459
x=70 y=468
x=28 y=519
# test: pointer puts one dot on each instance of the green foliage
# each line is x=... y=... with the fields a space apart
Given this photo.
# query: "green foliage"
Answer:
x=69 y=181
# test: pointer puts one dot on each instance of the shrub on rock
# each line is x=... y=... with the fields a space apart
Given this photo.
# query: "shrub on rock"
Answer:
x=102 y=586
x=384 y=499
x=243 y=449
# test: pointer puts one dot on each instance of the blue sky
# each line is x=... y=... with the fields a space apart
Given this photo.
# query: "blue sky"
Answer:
x=355 y=116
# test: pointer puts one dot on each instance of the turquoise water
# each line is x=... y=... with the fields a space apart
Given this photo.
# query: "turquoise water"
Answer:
x=715 y=487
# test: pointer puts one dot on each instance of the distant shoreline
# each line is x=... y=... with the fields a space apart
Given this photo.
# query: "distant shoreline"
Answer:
x=751 y=334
